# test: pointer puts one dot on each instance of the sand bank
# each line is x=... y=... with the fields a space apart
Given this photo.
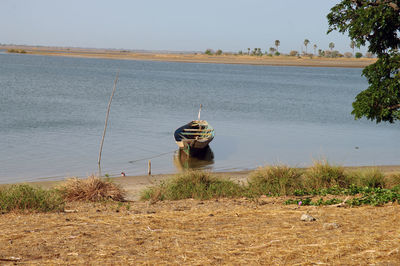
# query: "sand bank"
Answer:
x=199 y=58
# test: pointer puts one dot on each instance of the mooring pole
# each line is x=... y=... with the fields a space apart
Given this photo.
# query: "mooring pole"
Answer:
x=105 y=125
x=149 y=168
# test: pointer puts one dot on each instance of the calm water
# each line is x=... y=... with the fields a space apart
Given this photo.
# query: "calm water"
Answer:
x=52 y=112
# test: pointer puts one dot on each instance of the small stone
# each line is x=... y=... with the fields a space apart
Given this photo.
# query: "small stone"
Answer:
x=330 y=226
x=307 y=218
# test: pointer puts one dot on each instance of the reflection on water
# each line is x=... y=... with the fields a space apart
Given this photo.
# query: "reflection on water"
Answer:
x=202 y=160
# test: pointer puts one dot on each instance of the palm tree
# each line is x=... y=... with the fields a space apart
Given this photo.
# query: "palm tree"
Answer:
x=331 y=45
x=306 y=42
x=248 y=51
x=315 y=49
x=277 y=43
x=352 y=45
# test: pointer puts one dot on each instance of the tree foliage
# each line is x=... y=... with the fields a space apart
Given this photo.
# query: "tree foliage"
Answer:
x=375 y=23
x=306 y=42
x=277 y=43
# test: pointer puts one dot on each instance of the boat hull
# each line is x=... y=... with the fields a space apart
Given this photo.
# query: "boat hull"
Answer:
x=193 y=137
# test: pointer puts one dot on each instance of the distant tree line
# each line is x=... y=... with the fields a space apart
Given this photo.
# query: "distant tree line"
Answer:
x=274 y=51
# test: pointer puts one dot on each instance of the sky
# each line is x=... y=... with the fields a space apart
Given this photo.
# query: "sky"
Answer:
x=174 y=25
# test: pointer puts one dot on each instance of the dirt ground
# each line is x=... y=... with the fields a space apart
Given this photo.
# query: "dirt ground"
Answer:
x=203 y=232
x=224 y=231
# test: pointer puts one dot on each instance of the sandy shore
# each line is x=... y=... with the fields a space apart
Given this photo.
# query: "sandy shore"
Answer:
x=198 y=58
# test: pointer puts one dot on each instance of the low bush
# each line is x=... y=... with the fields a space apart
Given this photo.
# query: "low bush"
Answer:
x=193 y=184
x=29 y=198
x=91 y=189
x=274 y=180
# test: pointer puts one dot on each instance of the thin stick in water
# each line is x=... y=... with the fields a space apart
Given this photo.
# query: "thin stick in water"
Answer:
x=105 y=125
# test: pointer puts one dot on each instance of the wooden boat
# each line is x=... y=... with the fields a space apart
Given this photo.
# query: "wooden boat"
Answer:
x=194 y=136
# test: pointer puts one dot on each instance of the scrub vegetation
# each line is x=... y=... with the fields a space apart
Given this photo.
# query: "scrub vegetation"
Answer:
x=29 y=198
x=365 y=186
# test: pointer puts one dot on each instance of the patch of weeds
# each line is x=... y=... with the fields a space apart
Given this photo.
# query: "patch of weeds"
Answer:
x=29 y=198
x=308 y=202
x=375 y=197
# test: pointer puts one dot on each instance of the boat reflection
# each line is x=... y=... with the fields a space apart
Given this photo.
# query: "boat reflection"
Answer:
x=200 y=161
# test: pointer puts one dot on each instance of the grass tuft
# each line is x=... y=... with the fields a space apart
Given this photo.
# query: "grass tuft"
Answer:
x=274 y=180
x=371 y=177
x=91 y=189
x=323 y=175
x=392 y=180
x=29 y=198
x=193 y=184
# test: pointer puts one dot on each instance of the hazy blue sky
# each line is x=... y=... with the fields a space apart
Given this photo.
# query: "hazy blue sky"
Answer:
x=187 y=25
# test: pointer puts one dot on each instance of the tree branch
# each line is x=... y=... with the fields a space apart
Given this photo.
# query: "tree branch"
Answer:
x=394 y=107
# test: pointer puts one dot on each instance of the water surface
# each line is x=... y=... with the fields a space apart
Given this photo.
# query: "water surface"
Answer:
x=52 y=113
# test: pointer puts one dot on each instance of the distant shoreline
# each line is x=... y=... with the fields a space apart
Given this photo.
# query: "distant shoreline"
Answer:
x=198 y=58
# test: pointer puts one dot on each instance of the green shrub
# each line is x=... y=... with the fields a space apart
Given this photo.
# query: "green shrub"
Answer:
x=274 y=180
x=193 y=184
x=209 y=52
x=358 y=55
x=26 y=197
x=323 y=175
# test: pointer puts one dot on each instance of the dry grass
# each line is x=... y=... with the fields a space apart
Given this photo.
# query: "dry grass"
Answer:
x=193 y=232
x=324 y=175
x=392 y=180
x=91 y=189
x=275 y=180
x=193 y=184
x=369 y=177
x=27 y=198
